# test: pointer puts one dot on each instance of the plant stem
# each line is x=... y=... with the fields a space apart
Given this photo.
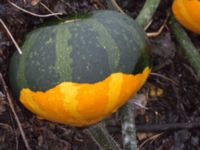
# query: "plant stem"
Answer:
x=147 y=12
x=186 y=44
x=128 y=127
x=102 y=138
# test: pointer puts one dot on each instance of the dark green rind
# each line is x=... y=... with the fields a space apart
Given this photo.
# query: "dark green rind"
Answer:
x=63 y=51
x=39 y=68
x=87 y=64
x=86 y=51
x=133 y=35
x=16 y=69
x=124 y=39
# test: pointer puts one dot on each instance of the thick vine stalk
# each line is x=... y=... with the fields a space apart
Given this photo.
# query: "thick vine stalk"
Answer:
x=128 y=127
x=147 y=12
x=186 y=44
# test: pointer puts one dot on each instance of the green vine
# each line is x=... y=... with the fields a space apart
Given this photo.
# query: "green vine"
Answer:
x=186 y=44
x=147 y=12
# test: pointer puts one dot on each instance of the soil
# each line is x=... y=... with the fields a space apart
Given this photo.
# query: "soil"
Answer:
x=172 y=115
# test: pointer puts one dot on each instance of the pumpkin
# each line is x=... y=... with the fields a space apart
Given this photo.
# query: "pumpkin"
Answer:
x=187 y=13
x=78 y=72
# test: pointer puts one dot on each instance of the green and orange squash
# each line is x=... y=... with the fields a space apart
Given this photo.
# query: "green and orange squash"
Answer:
x=78 y=72
x=187 y=12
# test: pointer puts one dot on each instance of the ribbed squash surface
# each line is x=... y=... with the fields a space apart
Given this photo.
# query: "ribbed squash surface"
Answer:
x=78 y=72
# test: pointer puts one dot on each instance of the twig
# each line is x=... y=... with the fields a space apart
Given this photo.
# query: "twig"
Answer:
x=190 y=69
x=10 y=35
x=99 y=3
x=164 y=77
x=5 y=126
x=160 y=127
x=114 y=3
x=33 y=14
x=140 y=105
x=102 y=138
x=152 y=138
x=161 y=66
x=148 y=25
x=186 y=44
x=49 y=10
x=153 y=34
x=12 y=121
x=166 y=127
x=14 y=113
x=147 y=12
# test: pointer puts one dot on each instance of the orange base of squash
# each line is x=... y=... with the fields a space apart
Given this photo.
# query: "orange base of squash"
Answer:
x=83 y=104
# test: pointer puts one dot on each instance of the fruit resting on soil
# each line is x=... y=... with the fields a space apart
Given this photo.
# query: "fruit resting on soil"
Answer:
x=78 y=72
x=187 y=12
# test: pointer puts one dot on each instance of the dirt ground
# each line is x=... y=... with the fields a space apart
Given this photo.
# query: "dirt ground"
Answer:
x=171 y=119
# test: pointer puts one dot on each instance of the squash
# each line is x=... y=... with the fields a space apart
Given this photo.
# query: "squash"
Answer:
x=78 y=72
x=187 y=12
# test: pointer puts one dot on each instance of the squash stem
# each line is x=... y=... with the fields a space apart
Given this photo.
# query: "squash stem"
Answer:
x=186 y=44
x=147 y=12
x=102 y=138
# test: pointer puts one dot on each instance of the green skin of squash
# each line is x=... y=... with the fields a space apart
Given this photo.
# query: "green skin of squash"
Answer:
x=86 y=50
